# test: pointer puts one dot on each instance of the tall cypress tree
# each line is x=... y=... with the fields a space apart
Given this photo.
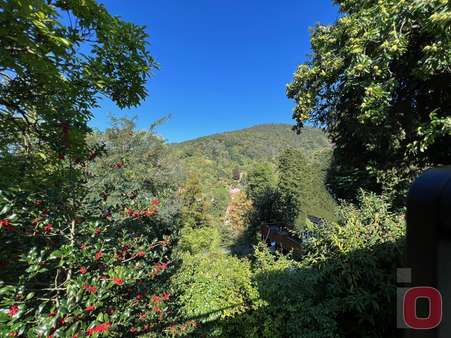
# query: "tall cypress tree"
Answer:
x=294 y=187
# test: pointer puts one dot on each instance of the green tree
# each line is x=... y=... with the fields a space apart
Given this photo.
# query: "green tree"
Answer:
x=260 y=189
x=293 y=188
x=135 y=162
x=194 y=204
x=379 y=81
x=66 y=270
x=57 y=59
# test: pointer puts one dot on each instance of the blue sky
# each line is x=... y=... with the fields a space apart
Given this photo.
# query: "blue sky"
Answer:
x=224 y=65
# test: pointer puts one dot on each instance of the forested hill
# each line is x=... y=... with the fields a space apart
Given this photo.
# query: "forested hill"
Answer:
x=262 y=142
x=223 y=161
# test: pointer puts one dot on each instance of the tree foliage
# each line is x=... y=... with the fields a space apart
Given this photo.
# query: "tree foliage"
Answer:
x=57 y=58
x=379 y=81
x=194 y=203
x=73 y=266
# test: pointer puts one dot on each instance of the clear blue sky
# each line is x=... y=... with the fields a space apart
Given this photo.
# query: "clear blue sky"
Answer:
x=224 y=64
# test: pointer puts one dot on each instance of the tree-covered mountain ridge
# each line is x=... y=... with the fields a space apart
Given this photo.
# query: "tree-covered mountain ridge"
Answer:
x=260 y=142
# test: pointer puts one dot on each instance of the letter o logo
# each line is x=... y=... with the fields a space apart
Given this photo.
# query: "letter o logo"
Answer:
x=410 y=308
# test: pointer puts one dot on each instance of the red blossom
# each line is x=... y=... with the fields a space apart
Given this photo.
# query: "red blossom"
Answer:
x=160 y=267
x=165 y=296
x=12 y=334
x=98 y=328
x=130 y=212
x=156 y=309
x=63 y=321
x=98 y=231
x=140 y=254
x=118 y=281
x=6 y=223
x=90 y=308
x=150 y=212
x=155 y=299
x=155 y=202
x=12 y=311
x=83 y=270
x=90 y=288
x=99 y=254
x=138 y=296
x=48 y=228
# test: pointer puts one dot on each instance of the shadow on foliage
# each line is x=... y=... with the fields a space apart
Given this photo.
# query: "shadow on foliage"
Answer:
x=352 y=295
x=262 y=212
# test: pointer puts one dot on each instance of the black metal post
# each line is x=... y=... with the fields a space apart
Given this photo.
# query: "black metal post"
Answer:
x=429 y=241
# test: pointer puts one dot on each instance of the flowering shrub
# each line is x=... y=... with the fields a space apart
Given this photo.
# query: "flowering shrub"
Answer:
x=70 y=280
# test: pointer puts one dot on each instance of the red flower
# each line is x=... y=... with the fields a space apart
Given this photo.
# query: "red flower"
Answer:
x=83 y=270
x=90 y=308
x=155 y=299
x=150 y=212
x=165 y=295
x=160 y=267
x=140 y=254
x=12 y=311
x=138 y=296
x=12 y=334
x=118 y=281
x=98 y=328
x=90 y=288
x=48 y=228
x=6 y=223
x=156 y=309
x=99 y=254
x=98 y=231
x=155 y=202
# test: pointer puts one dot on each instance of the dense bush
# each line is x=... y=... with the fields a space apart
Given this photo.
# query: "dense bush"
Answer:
x=83 y=277
x=198 y=241
x=213 y=286
x=343 y=287
x=105 y=270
